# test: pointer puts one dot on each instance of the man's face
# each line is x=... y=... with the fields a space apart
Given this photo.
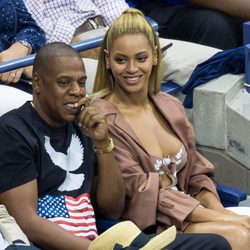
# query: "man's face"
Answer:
x=60 y=86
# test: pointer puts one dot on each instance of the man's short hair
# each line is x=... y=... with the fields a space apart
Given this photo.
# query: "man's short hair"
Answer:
x=52 y=50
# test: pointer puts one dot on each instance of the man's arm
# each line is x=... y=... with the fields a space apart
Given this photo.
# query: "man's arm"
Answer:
x=111 y=9
x=109 y=190
x=21 y=202
x=237 y=8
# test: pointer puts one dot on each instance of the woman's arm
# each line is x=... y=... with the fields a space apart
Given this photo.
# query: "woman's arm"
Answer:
x=27 y=29
x=201 y=214
x=209 y=200
x=16 y=50
x=29 y=39
x=213 y=211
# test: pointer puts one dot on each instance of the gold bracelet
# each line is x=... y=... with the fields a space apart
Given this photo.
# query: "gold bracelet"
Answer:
x=107 y=149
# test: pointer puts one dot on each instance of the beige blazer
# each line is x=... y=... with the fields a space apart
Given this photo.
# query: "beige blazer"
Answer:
x=147 y=203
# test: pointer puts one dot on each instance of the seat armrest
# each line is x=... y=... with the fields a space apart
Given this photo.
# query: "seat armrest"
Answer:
x=230 y=196
x=170 y=87
x=104 y=224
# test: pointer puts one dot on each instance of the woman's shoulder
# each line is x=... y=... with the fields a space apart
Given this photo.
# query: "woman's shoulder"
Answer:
x=106 y=106
x=165 y=97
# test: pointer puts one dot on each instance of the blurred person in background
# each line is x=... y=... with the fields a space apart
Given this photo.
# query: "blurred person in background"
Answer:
x=19 y=37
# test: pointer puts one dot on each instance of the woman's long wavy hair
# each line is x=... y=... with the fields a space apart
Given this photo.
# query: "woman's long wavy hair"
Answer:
x=132 y=21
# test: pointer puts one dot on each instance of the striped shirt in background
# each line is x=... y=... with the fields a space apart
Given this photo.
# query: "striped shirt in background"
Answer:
x=59 y=19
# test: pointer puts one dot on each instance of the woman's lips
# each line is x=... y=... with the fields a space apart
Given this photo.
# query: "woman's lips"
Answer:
x=132 y=79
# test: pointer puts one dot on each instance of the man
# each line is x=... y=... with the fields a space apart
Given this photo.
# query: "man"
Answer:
x=75 y=20
x=56 y=157
x=215 y=23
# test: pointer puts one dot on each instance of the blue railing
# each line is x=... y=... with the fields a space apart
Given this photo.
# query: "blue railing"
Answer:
x=28 y=60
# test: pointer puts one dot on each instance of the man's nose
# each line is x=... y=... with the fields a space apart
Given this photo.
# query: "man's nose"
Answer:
x=75 y=89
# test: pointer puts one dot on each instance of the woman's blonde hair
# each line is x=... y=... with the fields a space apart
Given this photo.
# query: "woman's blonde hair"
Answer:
x=132 y=21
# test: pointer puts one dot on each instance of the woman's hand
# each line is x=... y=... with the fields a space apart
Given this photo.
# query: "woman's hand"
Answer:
x=241 y=219
x=17 y=50
x=201 y=214
x=11 y=76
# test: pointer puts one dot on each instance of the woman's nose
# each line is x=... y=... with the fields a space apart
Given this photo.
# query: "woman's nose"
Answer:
x=132 y=66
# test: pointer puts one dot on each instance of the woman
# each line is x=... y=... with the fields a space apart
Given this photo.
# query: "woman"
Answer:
x=19 y=36
x=167 y=180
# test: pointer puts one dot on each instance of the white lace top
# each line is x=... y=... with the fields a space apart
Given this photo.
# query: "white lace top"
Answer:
x=171 y=165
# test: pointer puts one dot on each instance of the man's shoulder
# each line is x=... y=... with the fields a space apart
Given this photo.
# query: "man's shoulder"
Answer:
x=19 y=123
x=16 y=115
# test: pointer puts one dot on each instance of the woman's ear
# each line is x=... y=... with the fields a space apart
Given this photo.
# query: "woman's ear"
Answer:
x=36 y=83
x=107 y=59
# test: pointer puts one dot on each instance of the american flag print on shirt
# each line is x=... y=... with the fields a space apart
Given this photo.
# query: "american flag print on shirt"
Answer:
x=75 y=215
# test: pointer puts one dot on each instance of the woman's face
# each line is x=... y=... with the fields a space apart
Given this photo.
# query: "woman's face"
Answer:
x=131 y=60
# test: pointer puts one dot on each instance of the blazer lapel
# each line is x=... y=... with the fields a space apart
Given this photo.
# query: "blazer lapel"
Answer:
x=173 y=116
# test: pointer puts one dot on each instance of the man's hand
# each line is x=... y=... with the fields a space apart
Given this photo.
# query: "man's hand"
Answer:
x=230 y=7
x=92 y=121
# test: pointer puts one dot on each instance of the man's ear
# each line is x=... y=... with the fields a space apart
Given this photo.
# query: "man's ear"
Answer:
x=36 y=83
x=107 y=59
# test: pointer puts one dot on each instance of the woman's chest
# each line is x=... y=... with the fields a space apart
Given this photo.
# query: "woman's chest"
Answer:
x=155 y=134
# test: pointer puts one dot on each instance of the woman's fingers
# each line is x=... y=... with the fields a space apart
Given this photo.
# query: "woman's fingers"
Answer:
x=11 y=77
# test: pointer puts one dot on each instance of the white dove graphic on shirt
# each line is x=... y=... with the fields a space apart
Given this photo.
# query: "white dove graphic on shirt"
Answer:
x=68 y=162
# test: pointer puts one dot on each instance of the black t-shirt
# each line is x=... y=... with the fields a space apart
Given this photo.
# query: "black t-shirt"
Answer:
x=61 y=159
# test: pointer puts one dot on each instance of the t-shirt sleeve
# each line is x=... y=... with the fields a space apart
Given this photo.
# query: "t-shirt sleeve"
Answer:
x=16 y=165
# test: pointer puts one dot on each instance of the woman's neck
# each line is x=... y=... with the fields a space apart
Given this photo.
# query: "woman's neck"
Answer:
x=129 y=101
